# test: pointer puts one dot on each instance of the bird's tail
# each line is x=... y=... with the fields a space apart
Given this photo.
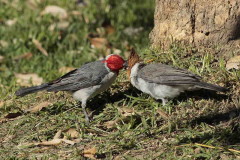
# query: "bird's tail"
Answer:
x=211 y=87
x=25 y=91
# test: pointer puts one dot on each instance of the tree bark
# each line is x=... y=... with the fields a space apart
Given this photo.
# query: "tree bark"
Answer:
x=208 y=23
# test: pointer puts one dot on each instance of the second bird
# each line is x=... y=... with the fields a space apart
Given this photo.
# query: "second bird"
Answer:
x=163 y=81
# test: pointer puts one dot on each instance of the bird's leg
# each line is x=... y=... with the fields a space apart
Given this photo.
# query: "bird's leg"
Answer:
x=164 y=101
x=84 y=111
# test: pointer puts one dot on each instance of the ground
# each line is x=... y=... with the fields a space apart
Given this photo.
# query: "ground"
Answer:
x=126 y=124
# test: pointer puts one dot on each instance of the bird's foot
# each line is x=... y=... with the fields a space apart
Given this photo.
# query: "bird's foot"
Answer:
x=164 y=101
x=87 y=120
x=86 y=117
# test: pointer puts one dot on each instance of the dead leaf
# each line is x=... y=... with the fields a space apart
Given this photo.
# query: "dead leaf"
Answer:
x=86 y=19
x=3 y=43
x=56 y=140
x=13 y=115
x=23 y=56
x=39 y=107
x=126 y=111
x=10 y=22
x=55 y=11
x=197 y=151
x=58 y=134
x=25 y=145
x=3 y=120
x=110 y=124
x=1 y=59
x=72 y=132
x=53 y=142
x=116 y=51
x=64 y=70
x=39 y=47
x=7 y=102
x=2 y=103
x=89 y=153
x=68 y=141
x=162 y=114
x=89 y=156
x=99 y=43
x=26 y=79
x=233 y=63
x=78 y=140
x=109 y=29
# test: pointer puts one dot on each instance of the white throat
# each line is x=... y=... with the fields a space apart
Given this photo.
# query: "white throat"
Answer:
x=134 y=70
x=105 y=64
x=108 y=69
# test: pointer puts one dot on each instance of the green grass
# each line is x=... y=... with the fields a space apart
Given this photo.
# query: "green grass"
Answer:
x=195 y=118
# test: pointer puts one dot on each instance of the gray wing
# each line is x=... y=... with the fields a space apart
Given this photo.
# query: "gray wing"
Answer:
x=88 y=75
x=168 y=75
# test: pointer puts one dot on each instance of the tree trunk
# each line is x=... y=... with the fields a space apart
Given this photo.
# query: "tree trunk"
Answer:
x=208 y=23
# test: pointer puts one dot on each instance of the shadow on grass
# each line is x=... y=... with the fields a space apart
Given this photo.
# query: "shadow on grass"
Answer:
x=228 y=130
x=57 y=108
x=98 y=103
x=213 y=118
x=202 y=94
x=228 y=135
x=216 y=118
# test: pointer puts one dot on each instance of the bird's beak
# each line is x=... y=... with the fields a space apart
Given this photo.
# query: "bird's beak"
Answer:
x=125 y=65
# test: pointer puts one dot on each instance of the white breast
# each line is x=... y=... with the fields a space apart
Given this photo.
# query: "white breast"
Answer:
x=155 y=90
x=86 y=93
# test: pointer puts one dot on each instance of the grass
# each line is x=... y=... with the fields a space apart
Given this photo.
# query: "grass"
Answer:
x=127 y=124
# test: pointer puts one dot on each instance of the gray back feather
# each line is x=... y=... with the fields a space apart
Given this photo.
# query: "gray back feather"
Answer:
x=168 y=75
x=87 y=75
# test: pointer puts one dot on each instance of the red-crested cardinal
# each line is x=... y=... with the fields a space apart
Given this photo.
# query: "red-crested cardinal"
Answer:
x=84 y=82
x=163 y=81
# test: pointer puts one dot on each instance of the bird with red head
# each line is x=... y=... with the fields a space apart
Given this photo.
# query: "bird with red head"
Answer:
x=84 y=82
